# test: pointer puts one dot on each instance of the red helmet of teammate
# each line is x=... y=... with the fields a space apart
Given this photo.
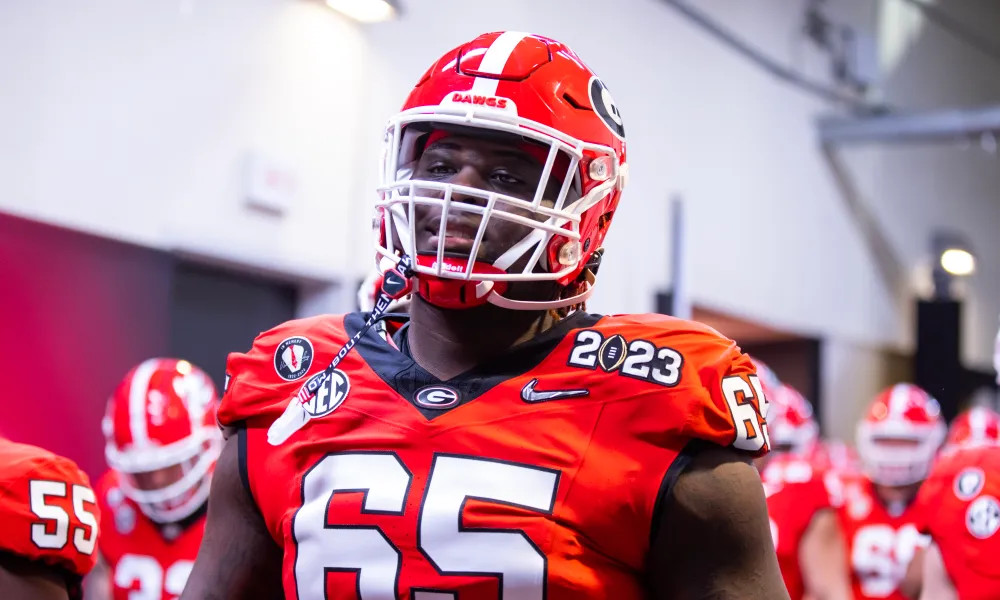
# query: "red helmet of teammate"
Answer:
x=900 y=435
x=520 y=87
x=978 y=425
x=162 y=438
x=767 y=376
x=790 y=420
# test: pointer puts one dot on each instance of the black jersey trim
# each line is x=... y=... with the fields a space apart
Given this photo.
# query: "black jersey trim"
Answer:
x=400 y=372
x=241 y=458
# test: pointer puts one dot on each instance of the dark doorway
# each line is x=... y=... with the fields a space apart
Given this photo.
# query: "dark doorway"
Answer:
x=214 y=312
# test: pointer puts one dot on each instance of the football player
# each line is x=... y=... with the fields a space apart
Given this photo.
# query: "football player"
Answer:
x=48 y=524
x=961 y=500
x=961 y=508
x=506 y=444
x=162 y=443
x=897 y=440
x=802 y=501
x=976 y=426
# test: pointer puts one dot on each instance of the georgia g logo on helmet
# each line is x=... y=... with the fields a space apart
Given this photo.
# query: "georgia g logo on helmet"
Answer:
x=605 y=107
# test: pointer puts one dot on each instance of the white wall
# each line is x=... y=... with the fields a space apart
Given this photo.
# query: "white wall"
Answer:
x=132 y=120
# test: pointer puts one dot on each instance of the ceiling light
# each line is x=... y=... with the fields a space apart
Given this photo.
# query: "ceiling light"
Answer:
x=958 y=261
x=364 y=11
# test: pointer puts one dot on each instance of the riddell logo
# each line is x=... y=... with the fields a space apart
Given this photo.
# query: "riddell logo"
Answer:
x=491 y=101
x=449 y=267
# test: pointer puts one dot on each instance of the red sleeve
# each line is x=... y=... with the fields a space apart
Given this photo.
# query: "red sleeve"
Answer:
x=729 y=407
x=48 y=511
x=929 y=496
x=260 y=382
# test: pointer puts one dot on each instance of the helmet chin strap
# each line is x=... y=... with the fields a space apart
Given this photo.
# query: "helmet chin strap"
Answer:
x=457 y=294
x=503 y=302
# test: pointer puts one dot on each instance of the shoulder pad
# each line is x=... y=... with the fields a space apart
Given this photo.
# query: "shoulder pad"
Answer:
x=260 y=382
x=48 y=511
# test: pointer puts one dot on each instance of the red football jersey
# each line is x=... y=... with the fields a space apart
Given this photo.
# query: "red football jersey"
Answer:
x=538 y=474
x=960 y=502
x=48 y=511
x=795 y=491
x=144 y=559
x=880 y=541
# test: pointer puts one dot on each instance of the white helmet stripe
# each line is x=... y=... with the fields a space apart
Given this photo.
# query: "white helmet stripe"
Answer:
x=495 y=60
x=137 y=402
x=977 y=423
x=897 y=399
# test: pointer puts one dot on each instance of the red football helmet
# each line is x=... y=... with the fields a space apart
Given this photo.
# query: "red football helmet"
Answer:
x=978 y=425
x=532 y=89
x=900 y=435
x=835 y=455
x=767 y=376
x=790 y=420
x=162 y=438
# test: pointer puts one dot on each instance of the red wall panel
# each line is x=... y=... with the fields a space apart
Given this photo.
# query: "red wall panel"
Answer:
x=76 y=312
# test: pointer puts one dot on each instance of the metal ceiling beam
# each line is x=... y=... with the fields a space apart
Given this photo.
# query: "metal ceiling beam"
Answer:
x=949 y=125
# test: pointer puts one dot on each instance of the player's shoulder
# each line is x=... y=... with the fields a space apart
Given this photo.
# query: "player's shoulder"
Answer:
x=38 y=489
x=24 y=461
x=958 y=467
x=681 y=332
x=699 y=345
x=678 y=370
x=108 y=490
x=304 y=334
x=277 y=363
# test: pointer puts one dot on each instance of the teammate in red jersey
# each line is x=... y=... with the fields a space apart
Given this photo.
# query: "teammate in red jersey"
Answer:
x=801 y=502
x=162 y=446
x=48 y=524
x=897 y=441
x=504 y=443
x=962 y=516
x=962 y=511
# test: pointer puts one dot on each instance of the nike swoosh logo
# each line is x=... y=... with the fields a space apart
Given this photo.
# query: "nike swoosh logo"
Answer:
x=529 y=395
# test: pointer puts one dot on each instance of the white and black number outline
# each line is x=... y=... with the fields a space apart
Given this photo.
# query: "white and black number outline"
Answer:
x=322 y=497
x=329 y=526
x=463 y=529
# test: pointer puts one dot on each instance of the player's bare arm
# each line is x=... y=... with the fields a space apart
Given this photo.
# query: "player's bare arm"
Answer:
x=22 y=579
x=936 y=583
x=913 y=580
x=714 y=541
x=823 y=556
x=238 y=558
x=97 y=583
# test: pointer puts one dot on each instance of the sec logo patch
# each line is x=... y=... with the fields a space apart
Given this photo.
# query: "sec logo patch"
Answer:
x=983 y=517
x=293 y=358
x=330 y=394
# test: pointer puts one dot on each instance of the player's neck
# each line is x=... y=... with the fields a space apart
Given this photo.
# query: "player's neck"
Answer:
x=447 y=343
x=897 y=495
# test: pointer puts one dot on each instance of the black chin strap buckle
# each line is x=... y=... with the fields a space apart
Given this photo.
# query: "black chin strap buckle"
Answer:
x=397 y=282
